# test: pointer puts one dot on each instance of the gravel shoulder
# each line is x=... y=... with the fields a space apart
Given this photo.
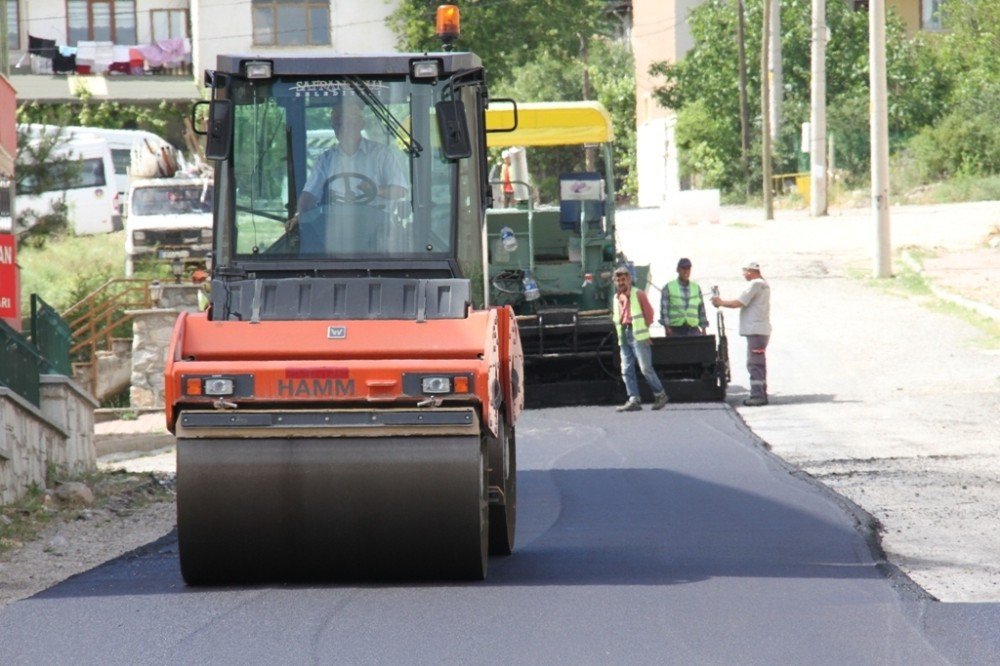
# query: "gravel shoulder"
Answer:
x=891 y=404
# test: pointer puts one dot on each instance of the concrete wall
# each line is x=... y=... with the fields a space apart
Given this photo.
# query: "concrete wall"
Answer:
x=60 y=433
x=656 y=153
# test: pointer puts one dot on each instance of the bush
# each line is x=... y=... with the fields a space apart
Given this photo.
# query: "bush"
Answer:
x=961 y=145
x=705 y=148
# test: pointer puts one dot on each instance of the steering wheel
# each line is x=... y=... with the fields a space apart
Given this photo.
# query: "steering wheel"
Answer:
x=367 y=187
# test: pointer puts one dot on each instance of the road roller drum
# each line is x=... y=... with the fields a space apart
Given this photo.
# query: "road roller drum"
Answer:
x=331 y=509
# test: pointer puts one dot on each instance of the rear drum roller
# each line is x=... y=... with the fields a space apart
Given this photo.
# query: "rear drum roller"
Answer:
x=276 y=509
x=502 y=477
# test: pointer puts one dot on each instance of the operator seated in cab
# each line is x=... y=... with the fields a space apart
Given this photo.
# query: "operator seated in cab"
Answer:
x=355 y=172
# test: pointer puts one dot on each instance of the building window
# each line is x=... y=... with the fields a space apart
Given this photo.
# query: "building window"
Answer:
x=101 y=21
x=13 y=34
x=931 y=14
x=169 y=24
x=291 y=22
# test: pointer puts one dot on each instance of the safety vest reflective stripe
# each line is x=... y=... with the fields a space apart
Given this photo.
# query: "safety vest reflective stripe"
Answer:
x=640 y=330
x=678 y=314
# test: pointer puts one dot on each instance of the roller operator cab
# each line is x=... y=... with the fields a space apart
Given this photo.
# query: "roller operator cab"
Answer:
x=345 y=408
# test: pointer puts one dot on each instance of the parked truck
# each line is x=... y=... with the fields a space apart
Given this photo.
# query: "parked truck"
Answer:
x=169 y=220
x=346 y=407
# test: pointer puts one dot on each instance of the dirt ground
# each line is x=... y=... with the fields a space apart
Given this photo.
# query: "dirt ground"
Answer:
x=973 y=273
x=888 y=402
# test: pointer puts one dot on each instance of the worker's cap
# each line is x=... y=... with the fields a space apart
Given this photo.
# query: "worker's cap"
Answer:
x=684 y=263
x=623 y=270
x=752 y=265
x=505 y=154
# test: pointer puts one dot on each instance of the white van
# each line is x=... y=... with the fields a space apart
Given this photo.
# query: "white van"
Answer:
x=168 y=219
x=91 y=198
x=121 y=142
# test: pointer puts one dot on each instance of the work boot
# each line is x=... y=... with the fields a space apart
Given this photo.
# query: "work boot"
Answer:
x=631 y=405
x=755 y=402
x=660 y=400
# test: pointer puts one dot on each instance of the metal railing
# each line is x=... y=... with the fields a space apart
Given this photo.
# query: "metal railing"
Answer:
x=20 y=364
x=51 y=336
x=95 y=320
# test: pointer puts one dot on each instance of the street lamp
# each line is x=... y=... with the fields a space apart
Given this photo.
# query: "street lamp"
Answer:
x=177 y=268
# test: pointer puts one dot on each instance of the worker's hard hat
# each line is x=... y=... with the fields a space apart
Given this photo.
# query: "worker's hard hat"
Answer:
x=752 y=265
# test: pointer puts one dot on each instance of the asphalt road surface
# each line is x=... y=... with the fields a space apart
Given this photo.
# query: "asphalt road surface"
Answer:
x=652 y=537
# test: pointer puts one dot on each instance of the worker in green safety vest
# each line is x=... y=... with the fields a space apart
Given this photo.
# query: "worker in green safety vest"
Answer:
x=631 y=316
x=682 y=308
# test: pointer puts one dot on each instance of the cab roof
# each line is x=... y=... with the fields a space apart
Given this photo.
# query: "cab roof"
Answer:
x=348 y=64
x=549 y=124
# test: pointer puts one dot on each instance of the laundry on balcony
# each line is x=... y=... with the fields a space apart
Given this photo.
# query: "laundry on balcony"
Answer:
x=40 y=53
x=64 y=61
x=92 y=57
x=46 y=48
x=168 y=53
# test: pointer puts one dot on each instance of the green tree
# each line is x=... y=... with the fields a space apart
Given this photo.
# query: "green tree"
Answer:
x=547 y=79
x=966 y=141
x=533 y=51
x=508 y=34
x=43 y=163
x=158 y=118
x=703 y=87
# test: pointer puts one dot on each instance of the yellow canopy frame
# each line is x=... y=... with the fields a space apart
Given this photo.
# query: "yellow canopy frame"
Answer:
x=549 y=124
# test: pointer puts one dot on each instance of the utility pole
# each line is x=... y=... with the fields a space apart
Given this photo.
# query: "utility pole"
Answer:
x=765 y=85
x=879 y=138
x=774 y=67
x=817 y=118
x=589 y=152
x=744 y=114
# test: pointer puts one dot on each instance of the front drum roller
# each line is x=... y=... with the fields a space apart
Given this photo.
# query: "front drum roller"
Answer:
x=298 y=509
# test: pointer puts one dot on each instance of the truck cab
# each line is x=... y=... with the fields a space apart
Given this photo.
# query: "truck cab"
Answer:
x=168 y=219
x=281 y=129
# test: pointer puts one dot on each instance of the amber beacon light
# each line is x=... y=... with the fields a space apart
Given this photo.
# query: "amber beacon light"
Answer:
x=448 y=25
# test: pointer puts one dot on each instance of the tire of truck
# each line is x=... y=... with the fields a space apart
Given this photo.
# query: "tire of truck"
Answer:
x=501 y=452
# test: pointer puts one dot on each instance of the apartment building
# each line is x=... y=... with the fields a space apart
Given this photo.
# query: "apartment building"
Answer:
x=134 y=50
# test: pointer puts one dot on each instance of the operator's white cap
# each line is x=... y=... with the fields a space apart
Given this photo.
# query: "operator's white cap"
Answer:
x=505 y=153
x=752 y=265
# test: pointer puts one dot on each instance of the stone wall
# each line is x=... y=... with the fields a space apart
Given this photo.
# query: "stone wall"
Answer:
x=60 y=433
x=151 y=332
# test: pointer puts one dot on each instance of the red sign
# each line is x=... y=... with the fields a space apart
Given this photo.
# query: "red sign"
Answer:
x=10 y=299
